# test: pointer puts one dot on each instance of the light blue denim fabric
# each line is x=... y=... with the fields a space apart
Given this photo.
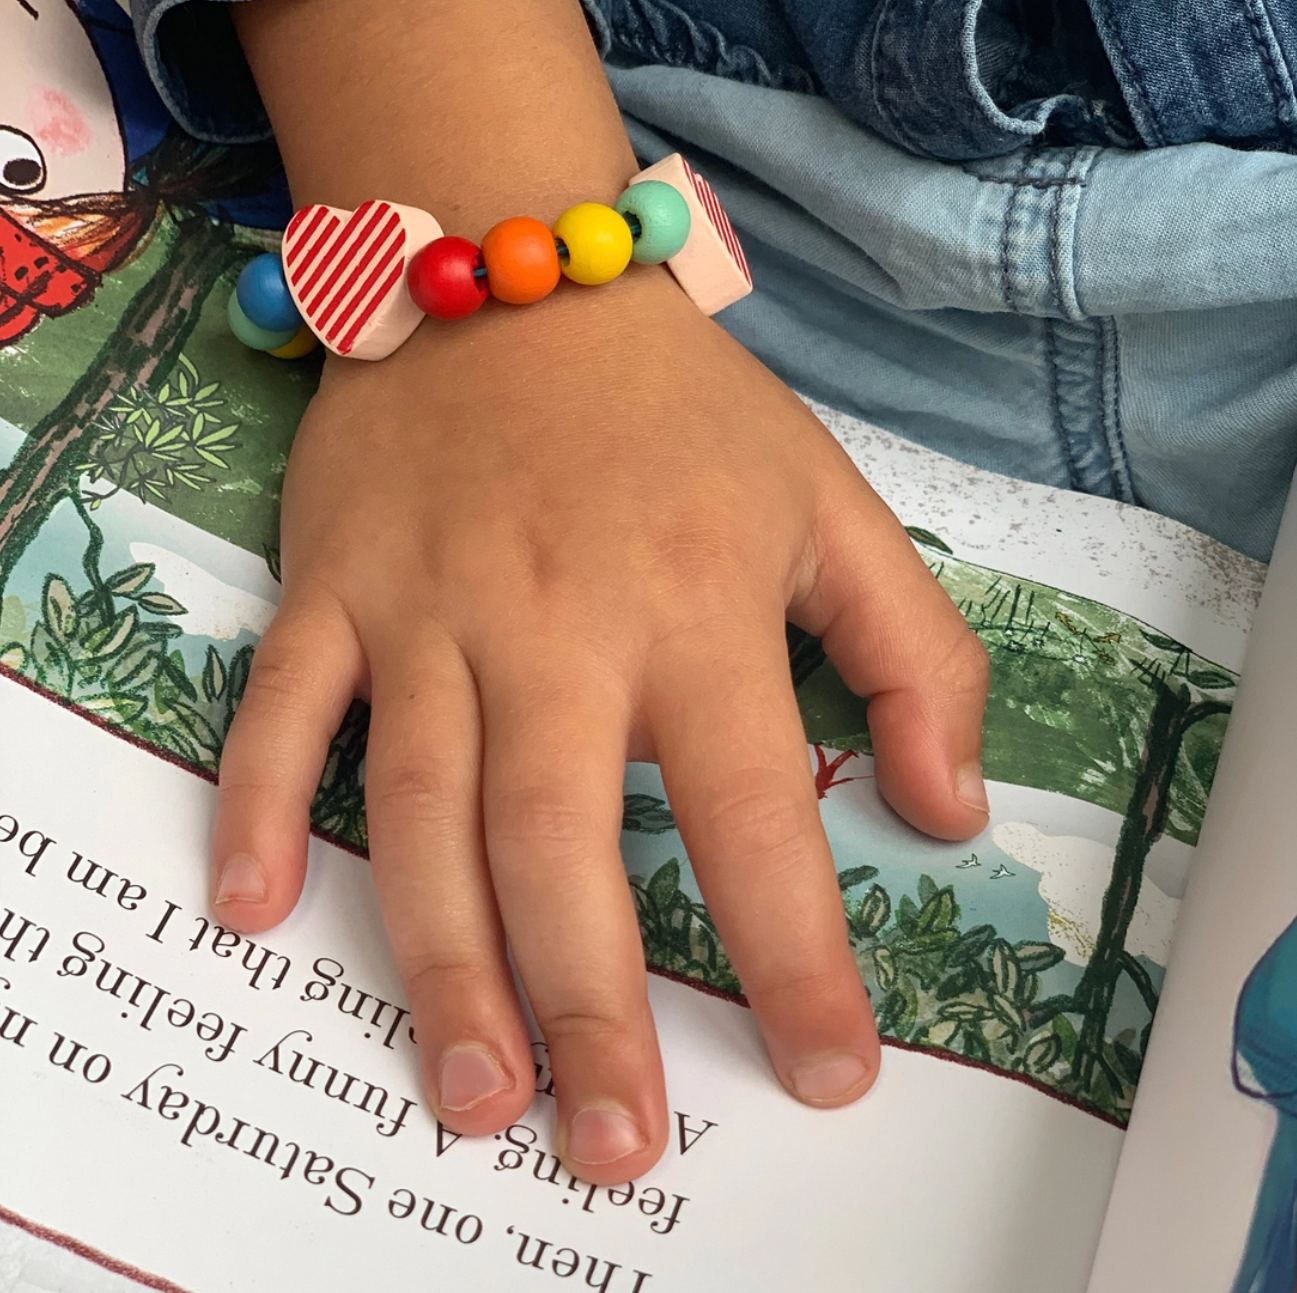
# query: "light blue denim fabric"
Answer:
x=1122 y=321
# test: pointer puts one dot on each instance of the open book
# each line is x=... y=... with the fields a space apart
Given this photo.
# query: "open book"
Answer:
x=185 y=1108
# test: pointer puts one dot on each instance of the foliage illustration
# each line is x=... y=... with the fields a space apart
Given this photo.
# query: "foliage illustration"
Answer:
x=148 y=444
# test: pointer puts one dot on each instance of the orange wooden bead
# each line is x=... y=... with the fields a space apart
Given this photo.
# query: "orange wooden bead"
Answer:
x=521 y=260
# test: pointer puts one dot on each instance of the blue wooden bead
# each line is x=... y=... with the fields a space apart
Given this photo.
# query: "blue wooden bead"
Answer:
x=263 y=295
x=663 y=217
x=250 y=334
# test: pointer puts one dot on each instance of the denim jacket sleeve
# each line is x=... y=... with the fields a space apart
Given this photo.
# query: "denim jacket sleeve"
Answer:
x=194 y=60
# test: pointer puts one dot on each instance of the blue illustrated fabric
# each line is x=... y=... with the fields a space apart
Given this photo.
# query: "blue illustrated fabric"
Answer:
x=1048 y=237
x=1265 y=1067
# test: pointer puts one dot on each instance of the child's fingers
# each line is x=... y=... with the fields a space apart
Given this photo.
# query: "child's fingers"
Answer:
x=422 y=793
x=552 y=804
x=896 y=637
x=736 y=771
x=304 y=675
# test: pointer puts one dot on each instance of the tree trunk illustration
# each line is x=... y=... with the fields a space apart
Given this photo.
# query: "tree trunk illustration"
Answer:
x=142 y=350
x=1174 y=713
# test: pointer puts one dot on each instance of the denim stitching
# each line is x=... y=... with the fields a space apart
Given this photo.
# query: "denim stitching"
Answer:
x=1286 y=69
x=1056 y=407
x=900 y=130
x=1006 y=277
x=1055 y=269
x=648 y=46
x=1274 y=82
x=1119 y=465
x=1118 y=434
x=1134 y=74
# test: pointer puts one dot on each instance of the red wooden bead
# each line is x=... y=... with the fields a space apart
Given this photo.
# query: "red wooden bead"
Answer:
x=441 y=279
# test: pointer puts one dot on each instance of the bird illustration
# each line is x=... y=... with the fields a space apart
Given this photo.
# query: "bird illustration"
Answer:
x=1074 y=875
x=969 y=861
x=68 y=214
x=1000 y=872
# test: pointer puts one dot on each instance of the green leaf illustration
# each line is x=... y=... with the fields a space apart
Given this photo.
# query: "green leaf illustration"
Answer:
x=213 y=675
x=856 y=875
x=161 y=604
x=58 y=610
x=126 y=582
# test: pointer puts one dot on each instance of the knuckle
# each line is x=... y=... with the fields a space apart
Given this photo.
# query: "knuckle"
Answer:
x=968 y=665
x=430 y=979
x=761 y=814
x=588 y=1024
x=539 y=817
x=274 y=685
x=412 y=792
x=808 y=990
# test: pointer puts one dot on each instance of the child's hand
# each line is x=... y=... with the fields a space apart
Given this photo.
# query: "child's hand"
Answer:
x=540 y=543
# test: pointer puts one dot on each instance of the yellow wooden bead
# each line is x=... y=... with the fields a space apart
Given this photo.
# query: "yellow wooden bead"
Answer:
x=598 y=242
x=302 y=344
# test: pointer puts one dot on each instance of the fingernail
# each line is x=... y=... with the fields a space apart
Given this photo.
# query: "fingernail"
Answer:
x=469 y=1075
x=970 y=789
x=241 y=880
x=603 y=1134
x=827 y=1077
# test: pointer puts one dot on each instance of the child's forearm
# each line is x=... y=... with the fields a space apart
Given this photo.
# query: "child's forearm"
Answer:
x=473 y=111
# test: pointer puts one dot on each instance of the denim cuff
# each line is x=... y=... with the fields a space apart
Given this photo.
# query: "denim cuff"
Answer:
x=1222 y=71
x=194 y=59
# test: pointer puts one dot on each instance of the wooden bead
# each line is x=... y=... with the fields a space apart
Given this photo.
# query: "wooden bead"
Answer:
x=442 y=279
x=711 y=266
x=346 y=273
x=264 y=297
x=302 y=344
x=598 y=242
x=663 y=219
x=253 y=337
x=521 y=260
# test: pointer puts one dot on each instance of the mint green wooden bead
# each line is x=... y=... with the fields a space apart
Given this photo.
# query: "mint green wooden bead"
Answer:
x=663 y=218
x=253 y=337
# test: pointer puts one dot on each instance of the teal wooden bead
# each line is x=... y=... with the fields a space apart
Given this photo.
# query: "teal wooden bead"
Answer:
x=663 y=217
x=253 y=337
x=263 y=294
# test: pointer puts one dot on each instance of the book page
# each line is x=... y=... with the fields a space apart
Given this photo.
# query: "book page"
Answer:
x=155 y=1066
x=1204 y=1199
x=184 y=1108
x=230 y=1113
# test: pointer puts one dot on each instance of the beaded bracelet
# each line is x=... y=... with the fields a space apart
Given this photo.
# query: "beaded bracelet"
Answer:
x=360 y=281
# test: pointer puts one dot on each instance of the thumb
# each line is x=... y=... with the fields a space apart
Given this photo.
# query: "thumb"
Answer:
x=897 y=638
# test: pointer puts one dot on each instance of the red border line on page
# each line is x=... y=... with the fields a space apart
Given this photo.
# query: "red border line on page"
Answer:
x=76 y=1247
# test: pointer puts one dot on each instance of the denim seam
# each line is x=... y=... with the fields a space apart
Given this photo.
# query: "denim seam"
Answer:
x=1133 y=73
x=876 y=43
x=147 y=34
x=600 y=31
x=1107 y=370
x=1055 y=268
x=1263 y=39
x=1286 y=70
x=652 y=51
x=1056 y=407
x=1006 y=236
x=992 y=114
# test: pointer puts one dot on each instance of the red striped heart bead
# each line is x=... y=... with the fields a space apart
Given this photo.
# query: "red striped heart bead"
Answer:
x=711 y=266
x=346 y=274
